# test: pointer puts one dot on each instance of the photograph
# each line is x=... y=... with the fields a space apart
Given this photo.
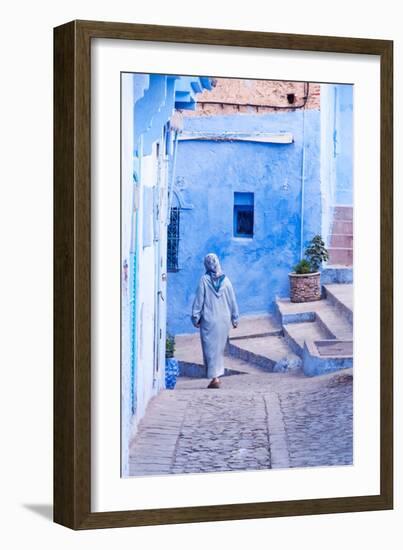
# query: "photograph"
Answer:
x=236 y=274
x=200 y=336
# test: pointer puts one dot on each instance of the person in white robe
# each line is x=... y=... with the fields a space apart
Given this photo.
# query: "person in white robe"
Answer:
x=214 y=310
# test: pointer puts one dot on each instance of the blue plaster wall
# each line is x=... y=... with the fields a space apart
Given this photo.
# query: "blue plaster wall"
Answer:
x=336 y=108
x=343 y=142
x=209 y=173
x=155 y=98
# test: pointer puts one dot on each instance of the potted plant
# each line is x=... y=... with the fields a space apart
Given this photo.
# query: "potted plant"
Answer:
x=305 y=279
x=171 y=364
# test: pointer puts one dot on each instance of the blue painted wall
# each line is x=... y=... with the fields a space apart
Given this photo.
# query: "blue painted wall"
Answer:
x=336 y=111
x=208 y=174
x=343 y=143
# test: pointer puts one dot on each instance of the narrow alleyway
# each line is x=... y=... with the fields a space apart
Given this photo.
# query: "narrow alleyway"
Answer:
x=257 y=420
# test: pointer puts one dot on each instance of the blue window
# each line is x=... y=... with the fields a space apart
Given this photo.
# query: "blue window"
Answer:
x=243 y=215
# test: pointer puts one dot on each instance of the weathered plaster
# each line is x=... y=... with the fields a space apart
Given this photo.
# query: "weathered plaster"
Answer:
x=257 y=267
x=257 y=92
x=336 y=150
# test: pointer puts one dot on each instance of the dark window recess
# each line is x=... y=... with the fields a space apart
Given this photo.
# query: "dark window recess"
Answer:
x=243 y=215
x=173 y=240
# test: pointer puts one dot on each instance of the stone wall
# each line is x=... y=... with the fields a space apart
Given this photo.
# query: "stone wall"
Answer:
x=255 y=97
x=305 y=288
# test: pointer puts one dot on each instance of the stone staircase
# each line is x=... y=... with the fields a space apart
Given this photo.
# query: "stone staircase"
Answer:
x=321 y=332
x=318 y=335
x=341 y=238
x=259 y=340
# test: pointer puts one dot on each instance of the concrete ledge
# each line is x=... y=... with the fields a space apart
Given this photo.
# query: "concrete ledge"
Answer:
x=296 y=334
x=329 y=334
x=255 y=326
x=246 y=355
x=289 y=312
x=192 y=370
x=336 y=274
x=256 y=137
x=294 y=345
x=343 y=212
x=315 y=364
x=341 y=302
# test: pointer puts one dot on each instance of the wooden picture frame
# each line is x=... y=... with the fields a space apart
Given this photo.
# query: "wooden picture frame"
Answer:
x=72 y=273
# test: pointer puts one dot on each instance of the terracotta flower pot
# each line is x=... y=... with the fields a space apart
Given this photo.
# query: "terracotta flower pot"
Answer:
x=305 y=287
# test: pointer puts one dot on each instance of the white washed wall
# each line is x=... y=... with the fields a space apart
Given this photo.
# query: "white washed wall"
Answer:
x=126 y=235
x=146 y=288
x=327 y=165
x=148 y=383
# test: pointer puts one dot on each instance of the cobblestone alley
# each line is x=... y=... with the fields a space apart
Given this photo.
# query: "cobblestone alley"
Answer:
x=256 y=420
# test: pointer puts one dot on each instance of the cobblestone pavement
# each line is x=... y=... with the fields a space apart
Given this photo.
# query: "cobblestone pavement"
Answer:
x=319 y=426
x=255 y=420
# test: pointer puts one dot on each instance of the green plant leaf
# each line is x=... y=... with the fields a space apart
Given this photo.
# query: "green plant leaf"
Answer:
x=316 y=253
x=303 y=267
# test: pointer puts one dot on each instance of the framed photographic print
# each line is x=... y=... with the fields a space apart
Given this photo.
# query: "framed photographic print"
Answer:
x=223 y=275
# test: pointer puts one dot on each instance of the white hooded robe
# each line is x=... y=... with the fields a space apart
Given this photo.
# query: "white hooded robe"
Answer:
x=214 y=311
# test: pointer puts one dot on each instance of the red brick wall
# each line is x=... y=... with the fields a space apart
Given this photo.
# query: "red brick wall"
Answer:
x=255 y=97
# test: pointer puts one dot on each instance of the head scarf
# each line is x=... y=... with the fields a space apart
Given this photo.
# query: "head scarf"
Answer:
x=213 y=268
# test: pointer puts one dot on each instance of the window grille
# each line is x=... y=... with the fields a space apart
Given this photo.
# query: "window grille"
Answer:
x=173 y=240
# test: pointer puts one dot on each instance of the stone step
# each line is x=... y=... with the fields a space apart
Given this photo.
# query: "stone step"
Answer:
x=340 y=256
x=342 y=227
x=320 y=332
x=341 y=241
x=340 y=274
x=290 y=312
x=253 y=326
x=325 y=356
x=188 y=348
x=263 y=351
x=341 y=297
x=332 y=321
x=342 y=212
x=189 y=353
x=296 y=334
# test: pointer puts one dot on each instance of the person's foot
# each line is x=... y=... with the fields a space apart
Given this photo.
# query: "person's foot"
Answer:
x=214 y=384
